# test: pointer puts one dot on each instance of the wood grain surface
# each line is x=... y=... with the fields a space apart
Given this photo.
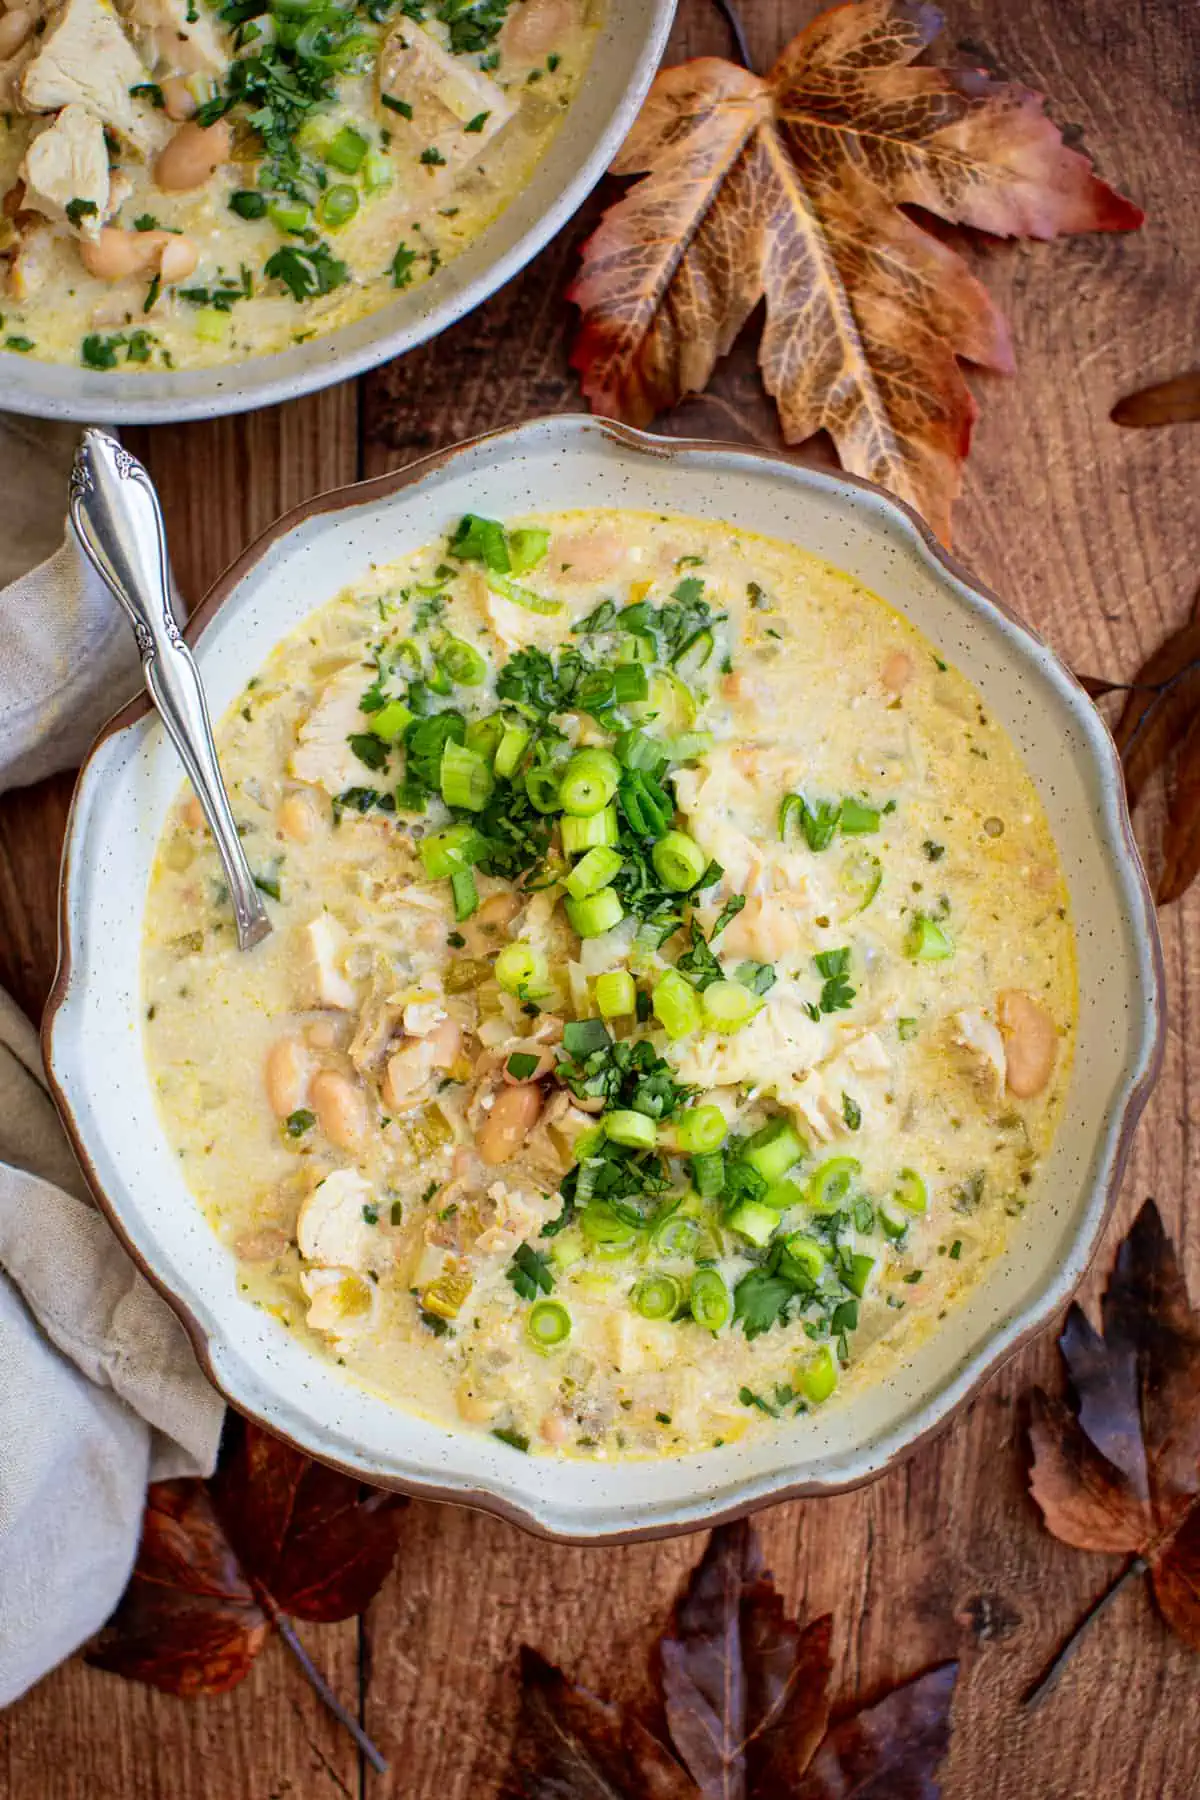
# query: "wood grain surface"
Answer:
x=1092 y=533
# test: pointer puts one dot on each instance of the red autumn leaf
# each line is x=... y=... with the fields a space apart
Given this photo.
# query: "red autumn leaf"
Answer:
x=745 y=1695
x=1119 y=1468
x=319 y=1543
x=745 y=1688
x=188 y=1621
x=1181 y=841
x=1174 y=402
x=789 y=188
x=271 y=1535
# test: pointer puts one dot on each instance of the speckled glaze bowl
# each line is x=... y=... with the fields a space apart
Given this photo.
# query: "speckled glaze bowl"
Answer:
x=627 y=54
x=92 y=1032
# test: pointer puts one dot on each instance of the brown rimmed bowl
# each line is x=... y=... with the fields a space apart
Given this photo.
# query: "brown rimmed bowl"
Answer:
x=93 y=1026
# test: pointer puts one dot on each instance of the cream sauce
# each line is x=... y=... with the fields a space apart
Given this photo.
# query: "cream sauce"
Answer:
x=333 y=1096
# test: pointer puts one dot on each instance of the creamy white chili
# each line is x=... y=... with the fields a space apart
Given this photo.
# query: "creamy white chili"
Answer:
x=671 y=996
x=188 y=182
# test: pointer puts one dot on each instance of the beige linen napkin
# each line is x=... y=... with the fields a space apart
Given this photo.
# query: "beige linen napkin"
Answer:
x=99 y=1390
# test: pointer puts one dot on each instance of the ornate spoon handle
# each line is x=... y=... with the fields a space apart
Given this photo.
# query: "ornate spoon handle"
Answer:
x=116 y=515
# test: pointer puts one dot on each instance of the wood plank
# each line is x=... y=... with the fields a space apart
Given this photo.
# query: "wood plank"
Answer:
x=83 y=1735
x=1087 y=529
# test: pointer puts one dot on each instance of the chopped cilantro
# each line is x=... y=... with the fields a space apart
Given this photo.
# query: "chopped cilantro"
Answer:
x=529 y=1272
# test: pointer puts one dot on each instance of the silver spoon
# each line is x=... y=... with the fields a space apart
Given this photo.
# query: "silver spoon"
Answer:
x=116 y=515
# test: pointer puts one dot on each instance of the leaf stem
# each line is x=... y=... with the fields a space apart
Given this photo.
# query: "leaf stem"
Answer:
x=737 y=31
x=1048 y=1680
x=288 y=1633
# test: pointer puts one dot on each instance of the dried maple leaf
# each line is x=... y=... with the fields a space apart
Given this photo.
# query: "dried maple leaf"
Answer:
x=220 y=1562
x=188 y=1621
x=788 y=188
x=1120 y=1469
x=1174 y=402
x=1162 y=716
x=745 y=1695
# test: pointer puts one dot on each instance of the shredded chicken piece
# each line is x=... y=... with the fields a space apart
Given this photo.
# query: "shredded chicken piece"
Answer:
x=445 y=94
x=85 y=58
x=65 y=172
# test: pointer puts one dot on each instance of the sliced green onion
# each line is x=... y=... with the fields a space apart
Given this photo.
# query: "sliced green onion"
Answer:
x=596 y=914
x=678 y=1235
x=679 y=862
x=609 y=1237
x=910 y=1192
x=807 y=1253
x=461 y=661
x=392 y=720
x=523 y=596
x=593 y=872
x=466 y=895
x=589 y=782
x=894 y=1219
x=857 y=819
x=772 y=1151
x=641 y=753
x=541 y=785
x=520 y=969
x=526 y=548
x=676 y=1005
x=631 y=1129
x=857 y=1275
x=727 y=1005
x=783 y=1195
x=457 y=847
x=291 y=219
x=926 y=941
x=861 y=877
x=818 y=1377
x=579 y=835
x=211 y=325
x=377 y=172
x=710 y=1300
x=708 y=1173
x=464 y=777
x=630 y=683
x=616 y=994
x=511 y=748
x=829 y=1184
x=755 y=1221
x=583 y=1037
x=346 y=150
x=690 y=745
x=548 y=1324
x=338 y=205
x=701 y=1129
x=657 y=1297
x=484 y=736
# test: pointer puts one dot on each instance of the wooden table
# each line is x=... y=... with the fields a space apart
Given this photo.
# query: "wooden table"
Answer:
x=1092 y=532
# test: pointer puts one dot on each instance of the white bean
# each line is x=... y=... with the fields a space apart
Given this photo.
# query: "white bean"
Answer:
x=341 y=1108
x=286 y=1072
x=1030 y=1043
x=514 y=1114
x=193 y=156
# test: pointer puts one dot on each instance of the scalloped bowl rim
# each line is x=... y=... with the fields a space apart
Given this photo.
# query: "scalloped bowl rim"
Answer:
x=628 y=50
x=91 y=1032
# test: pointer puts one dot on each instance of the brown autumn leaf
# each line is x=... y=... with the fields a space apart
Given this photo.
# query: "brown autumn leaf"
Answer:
x=219 y=1562
x=745 y=1696
x=1181 y=840
x=1161 y=720
x=1174 y=402
x=789 y=188
x=188 y=1621
x=1119 y=1468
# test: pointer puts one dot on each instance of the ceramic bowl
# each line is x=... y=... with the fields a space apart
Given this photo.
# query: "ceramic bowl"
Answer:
x=628 y=50
x=93 y=1027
